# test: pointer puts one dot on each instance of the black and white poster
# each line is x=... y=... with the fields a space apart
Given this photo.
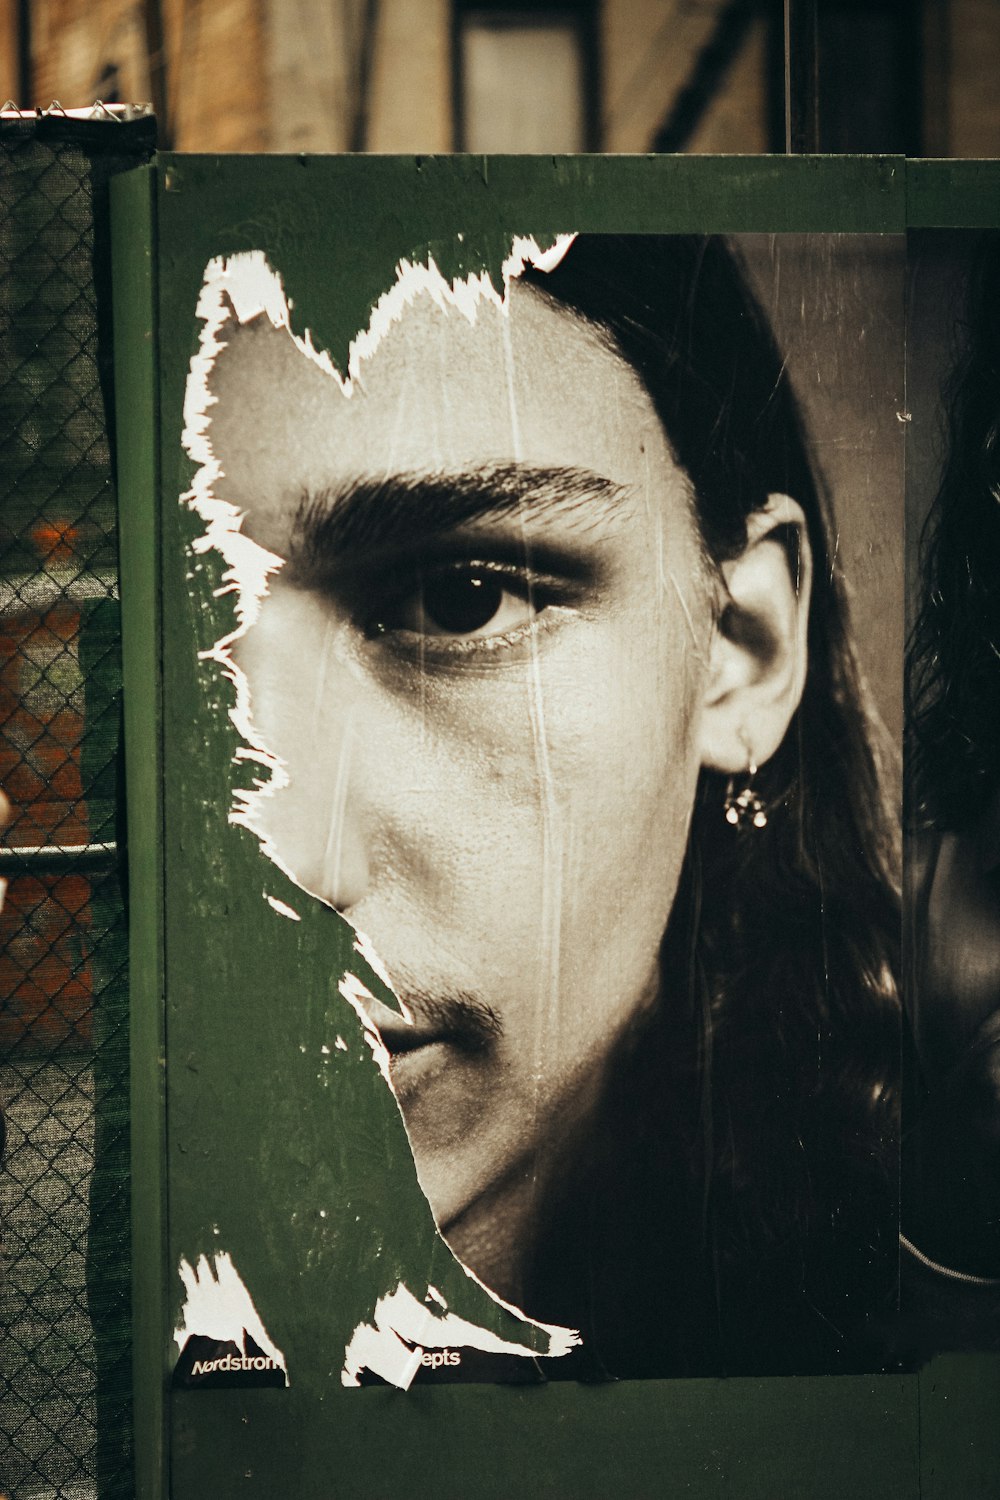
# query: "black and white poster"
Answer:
x=564 y=658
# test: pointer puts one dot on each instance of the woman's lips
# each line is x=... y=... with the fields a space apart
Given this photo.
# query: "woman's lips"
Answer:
x=399 y=1034
x=464 y=1021
x=418 y=1050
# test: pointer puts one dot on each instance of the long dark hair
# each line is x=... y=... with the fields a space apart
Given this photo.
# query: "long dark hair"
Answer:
x=763 y=1095
x=953 y=661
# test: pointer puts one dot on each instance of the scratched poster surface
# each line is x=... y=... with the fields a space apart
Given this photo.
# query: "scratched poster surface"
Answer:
x=544 y=627
x=950 y=1296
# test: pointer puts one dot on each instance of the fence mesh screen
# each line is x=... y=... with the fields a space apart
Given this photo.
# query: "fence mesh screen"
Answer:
x=65 y=1379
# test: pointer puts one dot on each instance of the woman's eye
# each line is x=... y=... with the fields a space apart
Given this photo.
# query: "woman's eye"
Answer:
x=462 y=603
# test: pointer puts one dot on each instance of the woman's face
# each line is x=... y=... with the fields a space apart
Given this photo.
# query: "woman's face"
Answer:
x=481 y=665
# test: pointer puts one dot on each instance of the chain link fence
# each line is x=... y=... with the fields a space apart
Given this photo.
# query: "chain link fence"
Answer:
x=65 y=1377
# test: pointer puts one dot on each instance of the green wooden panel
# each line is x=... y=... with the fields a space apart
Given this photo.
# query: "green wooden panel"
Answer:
x=251 y=1002
x=138 y=495
x=959 y=1431
x=812 y=1438
x=952 y=194
x=242 y=990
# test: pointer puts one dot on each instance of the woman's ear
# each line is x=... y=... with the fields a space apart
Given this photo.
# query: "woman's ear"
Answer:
x=757 y=665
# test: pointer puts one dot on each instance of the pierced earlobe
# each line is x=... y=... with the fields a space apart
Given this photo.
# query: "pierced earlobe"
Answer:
x=744 y=808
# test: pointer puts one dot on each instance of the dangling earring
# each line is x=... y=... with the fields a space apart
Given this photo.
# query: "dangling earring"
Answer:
x=744 y=809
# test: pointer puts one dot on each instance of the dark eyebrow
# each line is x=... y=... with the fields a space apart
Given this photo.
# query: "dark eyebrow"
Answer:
x=395 y=512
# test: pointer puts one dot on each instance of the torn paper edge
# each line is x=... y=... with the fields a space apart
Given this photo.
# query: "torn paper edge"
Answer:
x=218 y=1306
x=356 y=992
x=392 y=1345
x=246 y=286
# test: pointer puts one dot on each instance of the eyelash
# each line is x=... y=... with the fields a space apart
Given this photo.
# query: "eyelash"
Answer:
x=411 y=586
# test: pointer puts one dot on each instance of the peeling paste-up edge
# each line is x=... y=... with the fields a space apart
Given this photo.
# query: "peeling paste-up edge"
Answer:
x=246 y=286
x=561 y=1339
x=218 y=1306
x=366 y=948
x=356 y=993
x=403 y=1328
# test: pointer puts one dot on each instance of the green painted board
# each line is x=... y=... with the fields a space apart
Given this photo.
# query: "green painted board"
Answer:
x=138 y=492
x=275 y=1141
